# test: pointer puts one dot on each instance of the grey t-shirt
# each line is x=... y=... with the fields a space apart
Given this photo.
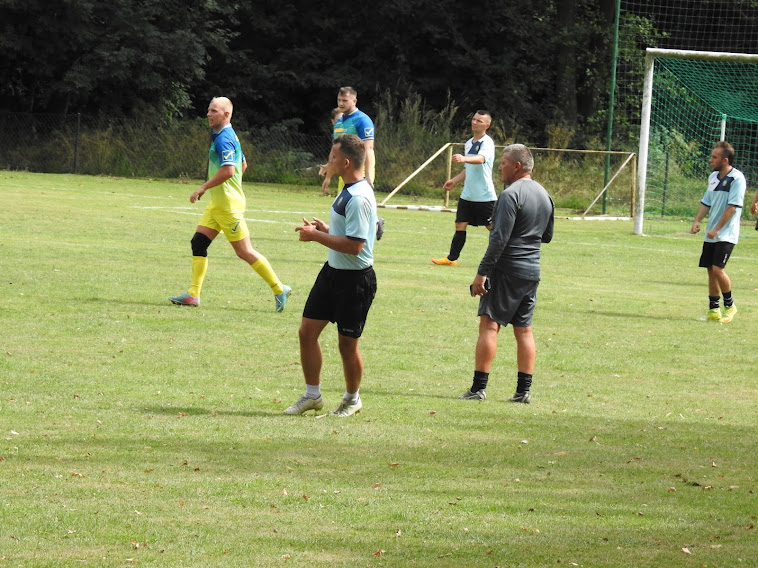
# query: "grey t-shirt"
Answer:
x=522 y=221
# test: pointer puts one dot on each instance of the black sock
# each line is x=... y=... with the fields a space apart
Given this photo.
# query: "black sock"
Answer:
x=524 y=382
x=728 y=300
x=459 y=239
x=480 y=381
x=713 y=302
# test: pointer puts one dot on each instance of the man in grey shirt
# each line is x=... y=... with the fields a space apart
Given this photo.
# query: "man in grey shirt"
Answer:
x=509 y=273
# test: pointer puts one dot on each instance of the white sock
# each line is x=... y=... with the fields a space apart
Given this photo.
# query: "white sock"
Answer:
x=351 y=397
x=312 y=391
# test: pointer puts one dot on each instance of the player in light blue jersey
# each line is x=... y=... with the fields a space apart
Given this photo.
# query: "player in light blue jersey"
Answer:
x=722 y=203
x=477 y=201
x=346 y=286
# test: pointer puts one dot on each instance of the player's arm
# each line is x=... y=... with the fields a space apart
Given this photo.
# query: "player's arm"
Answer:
x=244 y=166
x=309 y=232
x=470 y=159
x=452 y=182
x=754 y=205
x=368 y=164
x=702 y=212
x=728 y=214
x=223 y=174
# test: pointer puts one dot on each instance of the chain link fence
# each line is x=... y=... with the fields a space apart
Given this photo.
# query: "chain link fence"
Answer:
x=52 y=143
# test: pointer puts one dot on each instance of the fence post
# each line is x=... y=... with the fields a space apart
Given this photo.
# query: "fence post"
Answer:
x=76 y=141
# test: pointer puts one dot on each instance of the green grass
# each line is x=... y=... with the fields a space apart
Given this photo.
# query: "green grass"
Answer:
x=136 y=432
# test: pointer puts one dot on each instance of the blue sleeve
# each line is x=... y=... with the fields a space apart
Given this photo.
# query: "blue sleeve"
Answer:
x=226 y=150
x=365 y=128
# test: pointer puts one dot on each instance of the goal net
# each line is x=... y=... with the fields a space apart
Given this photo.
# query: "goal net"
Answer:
x=691 y=100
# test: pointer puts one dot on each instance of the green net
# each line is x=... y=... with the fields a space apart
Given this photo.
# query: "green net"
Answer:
x=693 y=100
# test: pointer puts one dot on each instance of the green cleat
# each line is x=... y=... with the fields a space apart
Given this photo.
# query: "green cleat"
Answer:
x=714 y=314
x=728 y=313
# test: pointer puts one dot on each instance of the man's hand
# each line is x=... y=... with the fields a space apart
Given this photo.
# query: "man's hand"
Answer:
x=459 y=158
x=695 y=227
x=197 y=194
x=477 y=287
x=448 y=185
x=308 y=229
x=712 y=233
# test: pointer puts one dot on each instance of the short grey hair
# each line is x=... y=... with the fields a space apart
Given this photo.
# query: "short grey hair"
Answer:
x=520 y=153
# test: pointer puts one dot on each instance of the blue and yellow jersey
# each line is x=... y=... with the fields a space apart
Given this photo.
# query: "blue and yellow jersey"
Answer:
x=357 y=122
x=226 y=150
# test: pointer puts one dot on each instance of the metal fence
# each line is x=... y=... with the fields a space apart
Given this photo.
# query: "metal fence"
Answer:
x=82 y=144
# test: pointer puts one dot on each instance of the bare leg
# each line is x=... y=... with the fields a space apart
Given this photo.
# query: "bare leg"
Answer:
x=352 y=362
x=486 y=344
x=311 y=358
x=526 y=351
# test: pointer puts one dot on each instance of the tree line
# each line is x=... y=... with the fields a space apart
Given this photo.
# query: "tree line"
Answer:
x=532 y=63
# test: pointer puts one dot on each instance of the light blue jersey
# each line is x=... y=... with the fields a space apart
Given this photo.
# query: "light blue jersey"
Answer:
x=722 y=192
x=478 y=186
x=353 y=215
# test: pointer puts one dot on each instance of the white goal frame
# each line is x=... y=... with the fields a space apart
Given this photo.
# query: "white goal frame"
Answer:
x=651 y=55
x=630 y=157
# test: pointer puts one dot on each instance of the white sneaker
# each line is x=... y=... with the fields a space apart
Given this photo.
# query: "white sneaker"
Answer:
x=347 y=408
x=305 y=404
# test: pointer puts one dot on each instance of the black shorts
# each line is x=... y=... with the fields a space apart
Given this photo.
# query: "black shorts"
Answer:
x=475 y=213
x=511 y=300
x=342 y=296
x=715 y=254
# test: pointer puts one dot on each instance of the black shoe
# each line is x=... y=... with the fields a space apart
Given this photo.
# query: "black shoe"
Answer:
x=379 y=228
x=520 y=397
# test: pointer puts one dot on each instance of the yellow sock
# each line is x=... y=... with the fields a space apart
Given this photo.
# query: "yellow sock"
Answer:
x=264 y=270
x=199 y=268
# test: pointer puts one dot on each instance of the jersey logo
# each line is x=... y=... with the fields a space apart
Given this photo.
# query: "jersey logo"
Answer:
x=235 y=227
x=475 y=147
x=368 y=132
x=227 y=155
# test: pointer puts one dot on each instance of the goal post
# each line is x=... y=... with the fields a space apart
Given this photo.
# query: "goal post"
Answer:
x=573 y=177
x=690 y=101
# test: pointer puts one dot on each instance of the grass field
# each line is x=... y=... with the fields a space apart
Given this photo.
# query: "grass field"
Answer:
x=134 y=432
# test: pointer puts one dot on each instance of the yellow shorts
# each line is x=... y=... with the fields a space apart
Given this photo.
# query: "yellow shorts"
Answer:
x=233 y=225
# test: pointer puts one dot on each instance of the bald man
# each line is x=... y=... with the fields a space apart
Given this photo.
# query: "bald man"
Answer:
x=226 y=210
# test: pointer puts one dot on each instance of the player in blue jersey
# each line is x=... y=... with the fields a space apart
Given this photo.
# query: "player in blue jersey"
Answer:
x=357 y=122
x=226 y=210
x=477 y=200
x=346 y=286
x=722 y=203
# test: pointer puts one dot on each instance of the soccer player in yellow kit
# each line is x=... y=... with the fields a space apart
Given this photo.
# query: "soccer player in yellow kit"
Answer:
x=226 y=210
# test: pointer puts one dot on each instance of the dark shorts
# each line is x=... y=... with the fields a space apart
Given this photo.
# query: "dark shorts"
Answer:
x=511 y=300
x=716 y=254
x=475 y=213
x=342 y=296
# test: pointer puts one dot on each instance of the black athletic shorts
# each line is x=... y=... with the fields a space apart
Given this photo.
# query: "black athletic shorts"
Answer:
x=342 y=296
x=511 y=300
x=475 y=213
x=716 y=254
